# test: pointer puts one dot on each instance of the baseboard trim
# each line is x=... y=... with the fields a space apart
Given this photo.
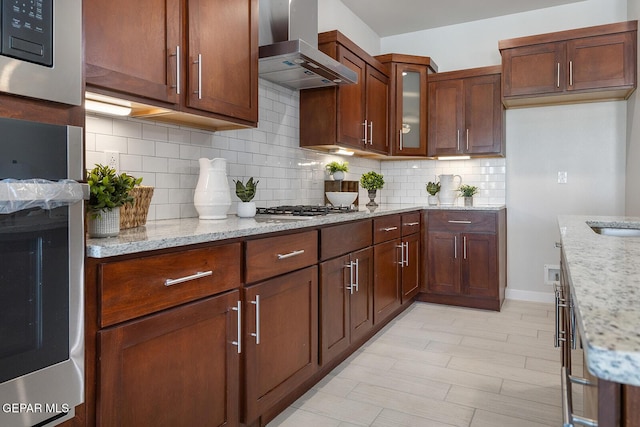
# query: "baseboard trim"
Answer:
x=517 y=294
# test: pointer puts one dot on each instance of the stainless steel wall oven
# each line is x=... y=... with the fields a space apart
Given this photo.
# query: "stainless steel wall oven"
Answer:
x=41 y=273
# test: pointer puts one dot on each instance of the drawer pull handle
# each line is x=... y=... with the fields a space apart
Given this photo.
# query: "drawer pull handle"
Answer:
x=459 y=221
x=291 y=254
x=198 y=275
x=390 y=229
x=256 y=334
x=411 y=224
x=238 y=343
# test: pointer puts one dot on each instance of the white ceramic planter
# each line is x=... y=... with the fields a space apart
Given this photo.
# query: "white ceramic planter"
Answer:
x=338 y=176
x=107 y=225
x=246 y=209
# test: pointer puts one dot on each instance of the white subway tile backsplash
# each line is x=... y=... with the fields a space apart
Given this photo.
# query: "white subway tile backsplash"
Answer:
x=166 y=157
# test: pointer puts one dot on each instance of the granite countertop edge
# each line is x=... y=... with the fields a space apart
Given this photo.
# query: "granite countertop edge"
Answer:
x=172 y=233
x=604 y=278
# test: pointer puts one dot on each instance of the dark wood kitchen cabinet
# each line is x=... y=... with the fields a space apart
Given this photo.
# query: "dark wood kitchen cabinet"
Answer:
x=466 y=116
x=346 y=287
x=280 y=319
x=410 y=257
x=197 y=59
x=353 y=116
x=466 y=258
x=587 y=64
x=167 y=336
x=408 y=102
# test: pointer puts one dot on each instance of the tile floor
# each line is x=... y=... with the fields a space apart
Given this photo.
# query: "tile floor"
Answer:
x=436 y=366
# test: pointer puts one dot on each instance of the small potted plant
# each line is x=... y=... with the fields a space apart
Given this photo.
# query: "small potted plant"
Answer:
x=108 y=192
x=338 y=169
x=467 y=191
x=246 y=193
x=433 y=188
x=372 y=181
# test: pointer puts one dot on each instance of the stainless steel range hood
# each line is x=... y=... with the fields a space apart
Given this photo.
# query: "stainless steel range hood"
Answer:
x=289 y=54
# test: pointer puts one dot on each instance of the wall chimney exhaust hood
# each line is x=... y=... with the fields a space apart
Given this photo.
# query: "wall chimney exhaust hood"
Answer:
x=289 y=54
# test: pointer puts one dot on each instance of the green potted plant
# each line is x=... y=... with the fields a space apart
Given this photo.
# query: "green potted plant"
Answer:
x=108 y=192
x=467 y=191
x=246 y=193
x=433 y=188
x=338 y=169
x=372 y=181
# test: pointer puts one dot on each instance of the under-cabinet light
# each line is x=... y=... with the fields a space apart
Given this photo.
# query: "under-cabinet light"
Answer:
x=106 y=108
x=341 y=152
x=454 y=157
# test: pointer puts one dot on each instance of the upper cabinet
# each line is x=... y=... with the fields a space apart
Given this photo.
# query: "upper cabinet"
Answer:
x=182 y=61
x=352 y=116
x=466 y=116
x=408 y=103
x=587 y=64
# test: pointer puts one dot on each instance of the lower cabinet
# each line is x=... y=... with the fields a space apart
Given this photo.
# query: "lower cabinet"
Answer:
x=410 y=257
x=387 y=253
x=280 y=339
x=346 y=301
x=466 y=258
x=176 y=367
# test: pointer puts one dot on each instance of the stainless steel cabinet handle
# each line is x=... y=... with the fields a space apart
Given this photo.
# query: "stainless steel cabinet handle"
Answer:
x=199 y=62
x=357 y=282
x=238 y=343
x=570 y=73
x=389 y=229
x=467 y=139
x=464 y=247
x=572 y=326
x=560 y=336
x=569 y=419
x=198 y=275
x=401 y=140
x=411 y=224
x=455 y=247
x=458 y=140
x=558 y=76
x=351 y=284
x=406 y=258
x=177 y=55
x=256 y=334
x=457 y=221
x=401 y=247
x=365 y=131
x=291 y=254
x=371 y=132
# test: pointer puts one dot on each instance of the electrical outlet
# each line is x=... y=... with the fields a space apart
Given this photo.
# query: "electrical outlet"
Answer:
x=562 y=177
x=112 y=159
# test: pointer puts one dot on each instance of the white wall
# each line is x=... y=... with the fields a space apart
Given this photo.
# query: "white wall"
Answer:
x=587 y=140
x=633 y=137
x=334 y=15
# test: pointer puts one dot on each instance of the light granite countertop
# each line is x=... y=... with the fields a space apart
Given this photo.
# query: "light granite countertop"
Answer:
x=182 y=232
x=604 y=276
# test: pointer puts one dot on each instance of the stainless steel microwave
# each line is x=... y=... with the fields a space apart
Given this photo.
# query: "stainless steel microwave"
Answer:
x=41 y=49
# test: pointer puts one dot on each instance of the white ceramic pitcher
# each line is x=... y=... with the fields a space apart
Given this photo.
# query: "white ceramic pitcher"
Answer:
x=212 y=197
x=448 y=189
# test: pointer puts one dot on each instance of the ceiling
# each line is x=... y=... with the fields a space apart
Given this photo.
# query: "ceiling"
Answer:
x=390 y=17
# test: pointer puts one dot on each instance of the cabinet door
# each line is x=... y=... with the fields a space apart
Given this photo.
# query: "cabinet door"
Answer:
x=281 y=338
x=222 y=59
x=483 y=112
x=601 y=62
x=386 y=292
x=377 y=111
x=335 y=278
x=444 y=266
x=191 y=347
x=411 y=268
x=130 y=47
x=361 y=300
x=351 y=102
x=534 y=70
x=479 y=265
x=446 y=117
x=409 y=127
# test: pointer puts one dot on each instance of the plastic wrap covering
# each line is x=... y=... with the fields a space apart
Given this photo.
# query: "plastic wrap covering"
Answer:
x=17 y=195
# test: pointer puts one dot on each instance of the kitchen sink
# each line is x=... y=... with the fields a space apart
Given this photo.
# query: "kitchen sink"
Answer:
x=616 y=231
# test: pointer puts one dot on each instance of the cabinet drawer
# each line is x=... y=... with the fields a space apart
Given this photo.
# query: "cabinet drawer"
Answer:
x=386 y=228
x=136 y=287
x=462 y=221
x=277 y=255
x=410 y=223
x=345 y=238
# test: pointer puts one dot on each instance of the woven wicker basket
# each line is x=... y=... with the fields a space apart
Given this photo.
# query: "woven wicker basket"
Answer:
x=135 y=215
